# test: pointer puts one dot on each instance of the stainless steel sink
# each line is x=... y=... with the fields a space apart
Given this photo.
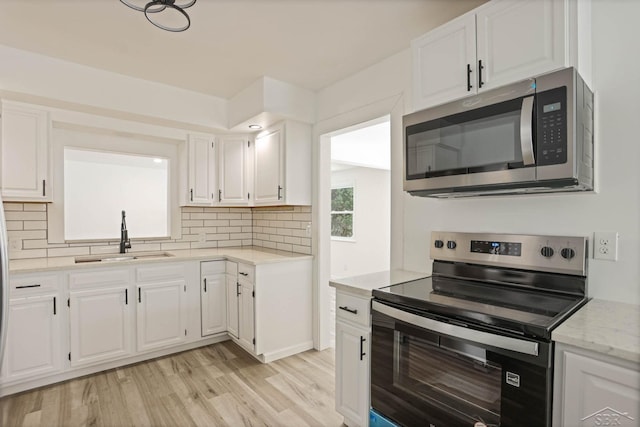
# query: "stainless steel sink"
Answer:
x=122 y=257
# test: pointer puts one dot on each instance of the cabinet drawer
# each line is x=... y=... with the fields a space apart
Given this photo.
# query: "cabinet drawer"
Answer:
x=353 y=308
x=155 y=273
x=99 y=278
x=212 y=267
x=33 y=284
x=231 y=268
x=246 y=272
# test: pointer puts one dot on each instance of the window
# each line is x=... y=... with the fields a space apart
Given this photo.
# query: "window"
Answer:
x=98 y=173
x=342 y=213
x=99 y=185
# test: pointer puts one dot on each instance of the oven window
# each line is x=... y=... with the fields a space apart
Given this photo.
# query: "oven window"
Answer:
x=452 y=375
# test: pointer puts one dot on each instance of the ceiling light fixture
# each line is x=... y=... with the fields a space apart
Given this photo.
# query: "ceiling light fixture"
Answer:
x=255 y=127
x=166 y=14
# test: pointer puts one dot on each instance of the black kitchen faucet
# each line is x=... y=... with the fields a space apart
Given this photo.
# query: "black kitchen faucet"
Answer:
x=125 y=243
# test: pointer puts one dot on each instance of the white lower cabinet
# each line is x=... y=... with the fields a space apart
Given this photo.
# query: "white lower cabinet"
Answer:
x=103 y=317
x=34 y=338
x=101 y=325
x=246 y=331
x=352 y=373
x=592 y=389
x=353 y=364
x=100 y=316
x=233 y=294
x=213 y=297
x=161 y=316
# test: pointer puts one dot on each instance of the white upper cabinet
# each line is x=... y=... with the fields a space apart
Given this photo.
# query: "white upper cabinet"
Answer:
x=26 y=172
x=519 y=39
x=282 y=170
x=234 y=171
x=201 y=181
x=500 y=42
x=444 y=62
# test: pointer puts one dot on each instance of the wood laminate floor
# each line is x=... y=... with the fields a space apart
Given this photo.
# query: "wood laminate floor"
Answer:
x=217 y=385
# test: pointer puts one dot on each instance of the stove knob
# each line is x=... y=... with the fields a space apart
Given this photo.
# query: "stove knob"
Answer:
x=451 y=244
x=546 y=252
x=567 y=253
x=438 y=244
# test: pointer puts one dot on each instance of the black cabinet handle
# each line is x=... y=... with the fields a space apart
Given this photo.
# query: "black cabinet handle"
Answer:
x=126 y=297
x=55 y=310
x=205 y=284
x=238 y=289
x=350 y=310
x=362 y=353
x=36 y=285
x=219 y=195
x=480 y=68
x=244 y=274
x=279 y=192
x=139 y=295
x=191 y=191
x=469 y=78
x=44 y=188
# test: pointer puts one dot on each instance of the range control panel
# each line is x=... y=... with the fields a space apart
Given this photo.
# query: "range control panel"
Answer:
x=558 y=254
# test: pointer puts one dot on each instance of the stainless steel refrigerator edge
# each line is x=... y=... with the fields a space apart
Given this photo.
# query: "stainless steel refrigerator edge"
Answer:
x=4 y=282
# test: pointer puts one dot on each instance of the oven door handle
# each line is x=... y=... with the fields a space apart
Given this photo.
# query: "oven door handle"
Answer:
x=526 y=131
x=480 y=337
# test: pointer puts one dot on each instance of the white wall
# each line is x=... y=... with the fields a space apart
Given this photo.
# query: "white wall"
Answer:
x=34 y=74
x=615 y=206
x=369 y=252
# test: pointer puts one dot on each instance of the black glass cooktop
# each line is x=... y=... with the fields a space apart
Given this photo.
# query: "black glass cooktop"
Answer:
x=521 y=311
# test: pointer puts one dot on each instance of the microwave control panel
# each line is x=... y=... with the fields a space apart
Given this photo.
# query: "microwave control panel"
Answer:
x=551 y=111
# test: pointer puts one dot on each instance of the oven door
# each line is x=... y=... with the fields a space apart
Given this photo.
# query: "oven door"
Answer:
x=436 y=372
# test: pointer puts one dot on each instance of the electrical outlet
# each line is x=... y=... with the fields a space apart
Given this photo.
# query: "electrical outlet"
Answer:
x=202 y=237
x=308 y=229
x=15 y=244
x=605 y=245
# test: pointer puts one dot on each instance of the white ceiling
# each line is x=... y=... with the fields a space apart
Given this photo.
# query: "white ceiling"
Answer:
x=369 y=146
x=231 y=43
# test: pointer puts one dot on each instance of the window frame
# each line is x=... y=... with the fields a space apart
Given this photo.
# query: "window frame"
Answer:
x=351 y=212
x=86 y=138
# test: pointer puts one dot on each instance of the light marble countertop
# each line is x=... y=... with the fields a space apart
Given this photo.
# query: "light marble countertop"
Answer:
x=606 y=327
x=247 y=255
x=364 y=284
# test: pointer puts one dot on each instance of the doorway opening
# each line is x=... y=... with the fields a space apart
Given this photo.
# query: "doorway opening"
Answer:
x=360 y=207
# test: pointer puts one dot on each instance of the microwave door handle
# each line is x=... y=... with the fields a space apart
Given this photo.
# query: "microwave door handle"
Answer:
x=526 y=131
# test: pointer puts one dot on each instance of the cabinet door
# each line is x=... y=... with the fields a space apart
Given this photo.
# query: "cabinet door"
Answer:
x=33 y=338
x=232 y=305
x=101 y=325
x=201 y=170
x=161 y=314
x=518 y=39
x=444 y=62
x=213 y=300
x=246 y=315
x=352 y=373
x=25 y=153
x=599 y=393
x=269 y=175
x=233 y=188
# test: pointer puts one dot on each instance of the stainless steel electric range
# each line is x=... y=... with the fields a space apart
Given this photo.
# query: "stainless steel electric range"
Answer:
x=471 y=345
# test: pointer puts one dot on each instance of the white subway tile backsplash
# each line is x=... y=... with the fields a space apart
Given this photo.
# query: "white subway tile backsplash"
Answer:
x=15 y=225
x=68 y=251
x=25 y=216
x=35 y=225
x=282 y=227
x=27 y=234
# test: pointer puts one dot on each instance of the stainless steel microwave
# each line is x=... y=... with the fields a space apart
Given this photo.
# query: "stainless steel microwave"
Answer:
x=528 y=137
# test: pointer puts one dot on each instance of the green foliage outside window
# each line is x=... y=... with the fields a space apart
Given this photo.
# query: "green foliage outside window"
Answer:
x=342 y=212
